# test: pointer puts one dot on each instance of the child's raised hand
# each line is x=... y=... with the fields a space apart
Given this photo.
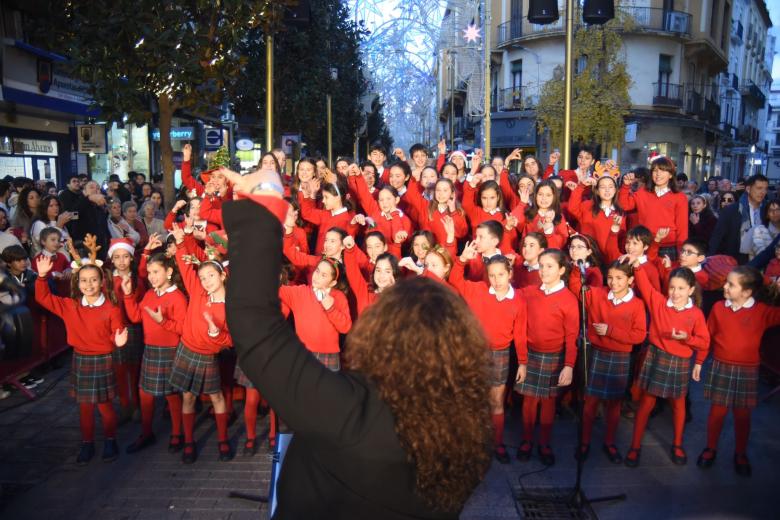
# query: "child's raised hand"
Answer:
x=442 y=147
x=696 y=375
x=451 y=204
x=186 y=152
x=679 y=335
x=522 y=371
x=617 y=220
x=154 y=242
x=178 y=233
x=120 y=338
x=525 y=194
x=348 y=242
x=628 y=179
x=564 y=379
x=314 y=187
x=327 y=301
x=157 y=315
x=358 y=219
x=353 y=170
x=469 y=251
x=573 y=185
x=554 y=157
x=127 y=285
x=588 y=181
x=476 y=180
x=694 y=218
x=667 y=261
x=179 y=205
x=600 y=328
x=44 y=265
x=511 y=222
x=400 y=237
x=661 y=234
x=449 y=225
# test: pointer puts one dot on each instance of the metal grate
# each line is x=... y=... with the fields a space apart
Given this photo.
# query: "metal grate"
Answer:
x=549 y=504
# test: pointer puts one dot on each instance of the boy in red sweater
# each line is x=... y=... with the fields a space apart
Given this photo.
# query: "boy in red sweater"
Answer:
x=638 y=242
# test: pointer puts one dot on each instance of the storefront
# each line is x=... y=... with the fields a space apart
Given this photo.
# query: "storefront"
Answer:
x=127 y=148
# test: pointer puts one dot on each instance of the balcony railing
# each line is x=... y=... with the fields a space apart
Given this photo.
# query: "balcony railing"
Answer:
x=752 y=91
x=667 y=95
x=517 y=98
x=639 y=19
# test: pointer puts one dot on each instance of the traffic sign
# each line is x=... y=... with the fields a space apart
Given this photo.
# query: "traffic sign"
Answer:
x=213 y=138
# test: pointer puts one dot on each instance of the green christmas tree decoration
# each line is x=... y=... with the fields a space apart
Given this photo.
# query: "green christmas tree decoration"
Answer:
x=220 y=159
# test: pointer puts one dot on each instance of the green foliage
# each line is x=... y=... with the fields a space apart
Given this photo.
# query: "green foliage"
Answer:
x=600 y=98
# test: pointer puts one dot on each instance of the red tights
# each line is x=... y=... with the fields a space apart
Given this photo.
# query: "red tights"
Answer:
x=741 y=427
x=546 y=418
x=87 y=420
x=589 y=415
x=251 y=402
x=646 y=404
x=126 y=375
x=147 y=412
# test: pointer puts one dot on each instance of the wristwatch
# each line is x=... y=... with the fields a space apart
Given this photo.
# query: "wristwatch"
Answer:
x=268 y=186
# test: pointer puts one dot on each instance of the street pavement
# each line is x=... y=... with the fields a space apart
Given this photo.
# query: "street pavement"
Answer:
x=41 y=481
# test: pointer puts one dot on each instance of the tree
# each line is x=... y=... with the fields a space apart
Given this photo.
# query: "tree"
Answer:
x=147 y=59
x=304 y=57
x=600 y=99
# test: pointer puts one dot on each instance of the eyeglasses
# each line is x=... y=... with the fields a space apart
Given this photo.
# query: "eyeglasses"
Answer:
x=689 y=252
x=726 y=200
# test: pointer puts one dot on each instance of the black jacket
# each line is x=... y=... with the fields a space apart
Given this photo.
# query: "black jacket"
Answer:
x=345 y=459
x=726 y=236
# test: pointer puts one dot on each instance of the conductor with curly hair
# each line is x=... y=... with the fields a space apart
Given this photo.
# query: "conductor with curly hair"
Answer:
x=404 y=431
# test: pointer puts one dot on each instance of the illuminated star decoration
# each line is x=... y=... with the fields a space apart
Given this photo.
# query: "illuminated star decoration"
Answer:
x=472 y=33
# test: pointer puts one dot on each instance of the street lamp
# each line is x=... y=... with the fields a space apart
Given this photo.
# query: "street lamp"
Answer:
x=752 y=158
x=334 y=75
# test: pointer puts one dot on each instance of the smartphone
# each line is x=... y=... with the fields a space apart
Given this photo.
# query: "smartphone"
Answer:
x=74 y=215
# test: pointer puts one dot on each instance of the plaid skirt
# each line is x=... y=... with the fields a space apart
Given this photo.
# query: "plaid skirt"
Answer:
x=156 y=370
x=499 y=367
x=733 y=386
x=664 y=375
x=541 y=379
x=133 y=350
x=331 y=361
x=241 y=378
x=195 y=373
x=608 y=374
x=92 y=378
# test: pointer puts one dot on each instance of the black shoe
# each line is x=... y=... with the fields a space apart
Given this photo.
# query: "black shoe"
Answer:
x=141 y=443
x=612 y=453
x=680 y=460
x=86 y=453
x=110 y=450
x=125 y=415
x=176 y=443
x=707 y=461
x=582 y=451
x=225 y=453
x=632 y=457
x=189 y=454
x=501 y=455
x=250 y=448
x=546 y=455
x=742 y=465
x=524 y=451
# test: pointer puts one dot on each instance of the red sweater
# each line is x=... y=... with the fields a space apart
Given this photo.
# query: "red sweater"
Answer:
x=432 y=221
x=626 y=322
x=90 y=330
x=119 y=294
x=477 y=216
x=325 y=219
x=388 y=225
x=736 y=336
x=654 y=212
x=503 y=321
x=59 y=262
x=773 y=269
x=195 y=329
x=211 y=212
x=597 y=226
x=318 y=328
x=172 y=304
x=522 y=277
x=664 y=318
x=555 y=240
x=364 y=295
x=553 y=323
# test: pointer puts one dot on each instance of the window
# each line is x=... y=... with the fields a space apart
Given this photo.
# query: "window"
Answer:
x=517 y=74
x=714 y=19
x=725 y=28
x=664 y=74
x=580 y=64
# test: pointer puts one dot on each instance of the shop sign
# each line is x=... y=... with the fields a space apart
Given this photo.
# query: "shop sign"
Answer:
x=91 y=138
x=34 y=147
x=213 y=138
x=178 y=133
x=245 y=144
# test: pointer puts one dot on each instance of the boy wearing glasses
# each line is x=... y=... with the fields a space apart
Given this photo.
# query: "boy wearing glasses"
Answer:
x=692 y=255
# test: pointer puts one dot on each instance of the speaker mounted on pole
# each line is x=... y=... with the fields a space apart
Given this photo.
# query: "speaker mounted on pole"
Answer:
x=598 y=12
x=543 y=12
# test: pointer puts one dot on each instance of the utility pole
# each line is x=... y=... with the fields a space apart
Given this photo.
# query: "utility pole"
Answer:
x=568 y=86
x=486 y=43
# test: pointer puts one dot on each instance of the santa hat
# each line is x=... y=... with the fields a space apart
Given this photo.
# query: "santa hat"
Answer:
x=459 y=152
x=120 y=243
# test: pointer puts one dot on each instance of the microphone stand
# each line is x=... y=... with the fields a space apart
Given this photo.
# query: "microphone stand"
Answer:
x=573 y=502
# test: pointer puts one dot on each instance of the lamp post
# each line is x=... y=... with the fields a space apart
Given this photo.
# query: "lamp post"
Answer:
x=568 y=85
x=269 y=92
x=752 y=158
x=334 y=75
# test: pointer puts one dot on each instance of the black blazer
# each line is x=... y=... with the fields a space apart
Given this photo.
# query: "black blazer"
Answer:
x=726 y=236
x=345 y=459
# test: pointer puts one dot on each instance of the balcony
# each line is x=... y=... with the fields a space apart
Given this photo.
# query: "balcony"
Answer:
x=667 y=95
x=637 y=19
x=751 y=91
x=748 y=134
x=517 y=98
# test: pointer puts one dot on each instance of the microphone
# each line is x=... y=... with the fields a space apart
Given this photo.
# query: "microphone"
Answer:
x=581 y=265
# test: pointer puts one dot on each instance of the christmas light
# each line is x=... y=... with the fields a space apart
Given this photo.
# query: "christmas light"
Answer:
x=472 y=33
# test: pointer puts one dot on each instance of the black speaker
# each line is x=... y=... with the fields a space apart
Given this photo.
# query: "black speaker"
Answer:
x=542 y=12
x=598 y=12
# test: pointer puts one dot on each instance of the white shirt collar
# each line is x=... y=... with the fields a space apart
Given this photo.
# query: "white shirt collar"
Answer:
x=660 y=192
x=100 y=301
x=508 y=296
x=696 y=269
x=443 y=208
x=166 y=291
x=688 y=305
x=608 y=209
x=617 y=301
x=530 y=267
x=389 y=216
x=342 y=209
x=748 y=304
x=488 y=257
x=401 y=191
x=642 y=259
x=214 y=300
x=554 y=289
x=493 y=211
x=319 y=293
x=47 y=253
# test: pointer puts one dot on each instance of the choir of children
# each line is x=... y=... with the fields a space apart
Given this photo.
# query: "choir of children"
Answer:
x=518 y=257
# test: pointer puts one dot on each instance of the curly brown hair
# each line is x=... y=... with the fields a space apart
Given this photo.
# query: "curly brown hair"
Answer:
x=432 y=373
